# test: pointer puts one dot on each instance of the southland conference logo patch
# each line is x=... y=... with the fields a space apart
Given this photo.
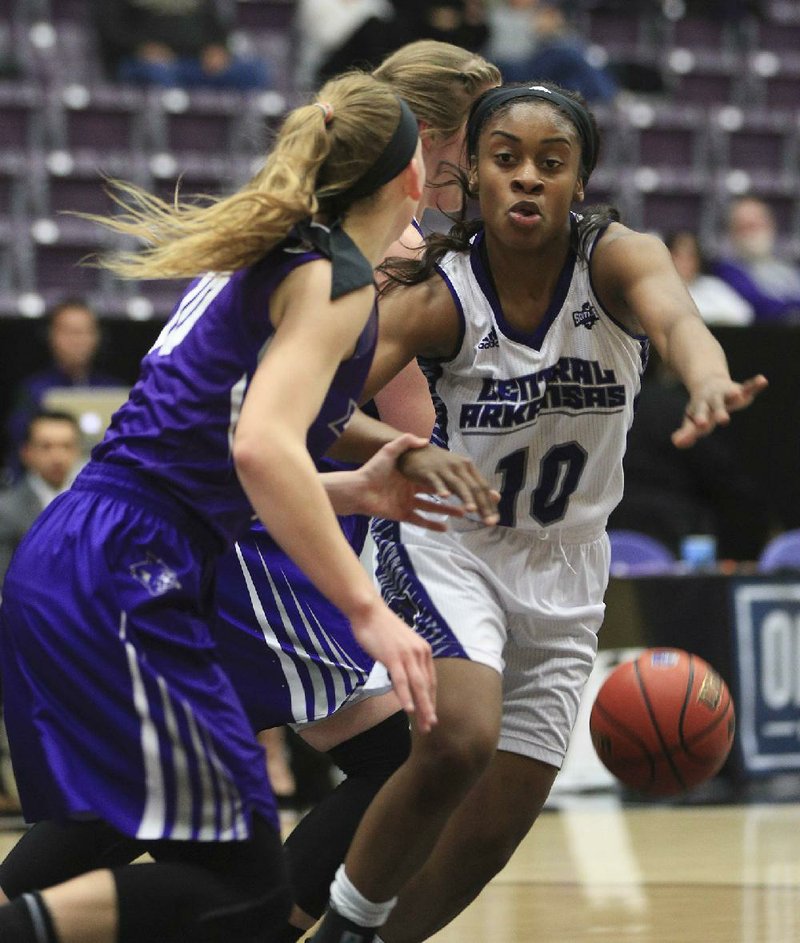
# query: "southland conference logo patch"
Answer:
x=586 y=317
x=156 y=577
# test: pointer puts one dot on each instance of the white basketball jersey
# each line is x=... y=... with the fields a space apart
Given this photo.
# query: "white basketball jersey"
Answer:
x=544 y=415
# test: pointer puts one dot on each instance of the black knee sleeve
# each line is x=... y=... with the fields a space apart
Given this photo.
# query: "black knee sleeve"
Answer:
x=318 y=844
x=208 y=892
x=50 y=852
x=376 y=753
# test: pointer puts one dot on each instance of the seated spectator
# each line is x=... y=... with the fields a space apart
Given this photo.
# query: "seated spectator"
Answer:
x=559 y=55
x=671 y=493
x=753 y=268
x=460 y=22
x=336 y=35
x=512 y=36
x=161 y=42
x=73 y=339
x=716 y=301
x=49 y=454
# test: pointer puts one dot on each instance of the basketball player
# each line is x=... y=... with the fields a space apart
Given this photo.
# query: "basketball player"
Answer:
x=288 y=651
x=116 y=707
x=532 y=326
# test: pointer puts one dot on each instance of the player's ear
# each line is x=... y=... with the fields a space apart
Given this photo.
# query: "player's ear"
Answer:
x=426 y=139
x=414 y=177
x=580 y=192
x=472 y=177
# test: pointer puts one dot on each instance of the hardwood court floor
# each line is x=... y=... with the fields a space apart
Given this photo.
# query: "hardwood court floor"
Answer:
x=596 y=871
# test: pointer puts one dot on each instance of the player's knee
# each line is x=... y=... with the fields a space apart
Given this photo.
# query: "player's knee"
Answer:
x=376 y=753
x=454 y=759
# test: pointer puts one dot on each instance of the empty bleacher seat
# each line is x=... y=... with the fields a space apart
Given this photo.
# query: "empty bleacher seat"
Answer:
x=98 y=118
x=265 y=15
x=77 y=182
x=21 y=116
x=15 y=192
x=754 y=140
x=665 y=135
x=666 y=200
x=58 y=250
x=198 y=121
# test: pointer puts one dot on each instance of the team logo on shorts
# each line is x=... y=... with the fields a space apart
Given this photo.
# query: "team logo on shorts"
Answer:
x=156 y=577
x=587 y=317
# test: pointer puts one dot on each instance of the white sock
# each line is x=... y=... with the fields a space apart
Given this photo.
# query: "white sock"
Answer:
x=348 y=901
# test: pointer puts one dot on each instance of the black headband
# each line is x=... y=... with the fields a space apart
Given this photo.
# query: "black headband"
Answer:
x=495 y=97
x=394 y=158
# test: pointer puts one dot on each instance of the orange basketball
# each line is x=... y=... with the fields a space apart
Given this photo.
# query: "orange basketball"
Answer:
x=664 y=722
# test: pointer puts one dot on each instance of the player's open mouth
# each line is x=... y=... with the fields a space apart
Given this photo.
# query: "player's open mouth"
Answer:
x=525 y=213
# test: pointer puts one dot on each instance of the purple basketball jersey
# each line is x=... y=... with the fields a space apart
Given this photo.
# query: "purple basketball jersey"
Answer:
x=177 y=425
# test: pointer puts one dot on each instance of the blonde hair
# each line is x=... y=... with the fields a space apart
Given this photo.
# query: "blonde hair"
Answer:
x=439 y=81
x=310 y=163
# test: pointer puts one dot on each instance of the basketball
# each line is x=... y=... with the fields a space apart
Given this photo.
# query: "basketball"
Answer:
x=663 y=723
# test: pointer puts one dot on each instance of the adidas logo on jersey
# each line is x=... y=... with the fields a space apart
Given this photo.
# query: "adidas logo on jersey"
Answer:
x=489 y=341
x=587 y=317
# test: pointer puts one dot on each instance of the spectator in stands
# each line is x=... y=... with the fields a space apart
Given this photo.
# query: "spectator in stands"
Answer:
x=512 y=36
x=671 y=493
x=460 y=22
x=752 y=266
x=716 y=301
x=50 y=453
x=73 y=338
x=335 y=35
x=161 y=42
x=558 y=53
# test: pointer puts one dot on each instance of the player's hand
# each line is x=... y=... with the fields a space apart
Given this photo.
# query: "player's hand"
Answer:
x=406 y=656
x=385 y=491
x=446 y=474
x=711 y=405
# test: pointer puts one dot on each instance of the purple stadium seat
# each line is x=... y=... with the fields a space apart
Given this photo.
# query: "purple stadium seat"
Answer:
x=98 y=118
x=778 y=36
x=637 y=554
x=782 y=552
x=198 y=176
x=58 y=251
x=666 y=135
x=72 y=10
x=757 y=141
x=704 y=78
x=14 y=194
x=709 y=33
x=20 y=116
x=781 y=90
x=614 y=29
x=199 y=121
x=670 y=200
x=260 y=15
x=79 y=184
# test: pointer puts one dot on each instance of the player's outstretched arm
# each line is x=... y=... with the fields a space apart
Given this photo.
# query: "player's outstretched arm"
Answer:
x=637 y=276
